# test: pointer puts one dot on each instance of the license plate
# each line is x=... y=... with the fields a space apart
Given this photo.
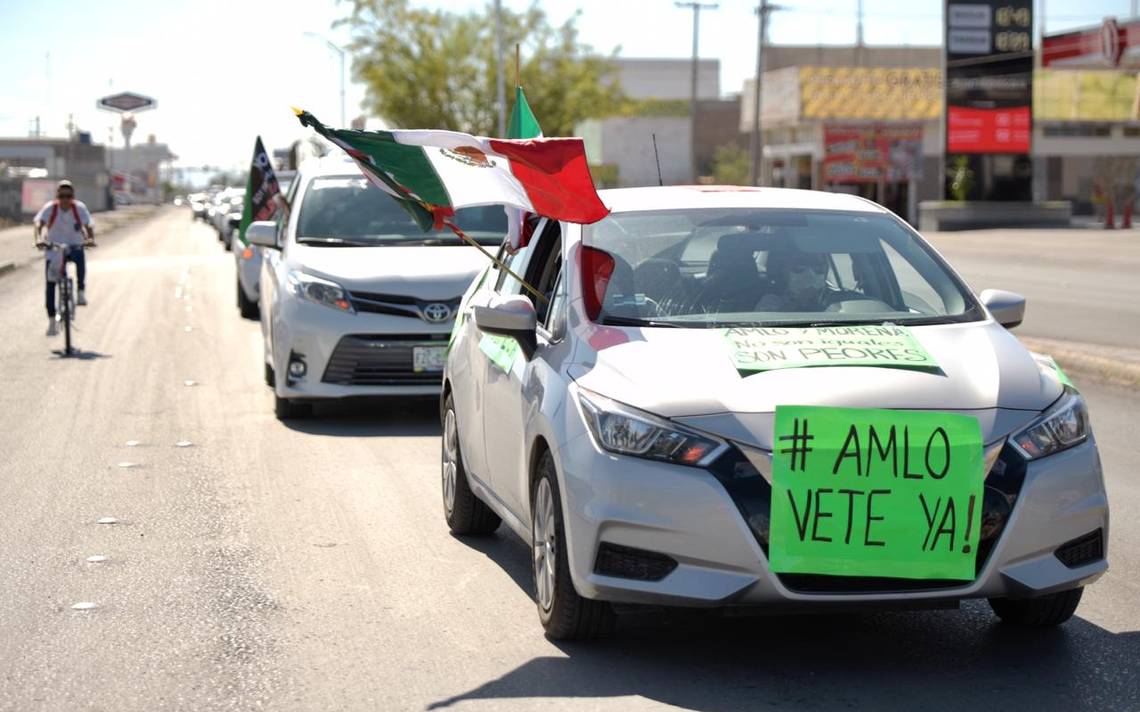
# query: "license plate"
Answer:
x=428 y=358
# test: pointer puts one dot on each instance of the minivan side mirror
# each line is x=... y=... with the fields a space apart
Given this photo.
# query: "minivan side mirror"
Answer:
x=263 y=233
x=1008 y=308
x=510 y=316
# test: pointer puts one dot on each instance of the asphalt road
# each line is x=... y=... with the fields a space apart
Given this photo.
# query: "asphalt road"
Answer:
x=1080 y=285
x=308 y=567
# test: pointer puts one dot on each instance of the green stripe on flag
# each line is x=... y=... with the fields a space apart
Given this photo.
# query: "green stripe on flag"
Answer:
x=523 y=123
x=406 y=164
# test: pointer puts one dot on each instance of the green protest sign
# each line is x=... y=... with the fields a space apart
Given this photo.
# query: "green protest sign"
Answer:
x=767 y=348
x=875 y=493
x=502 y=350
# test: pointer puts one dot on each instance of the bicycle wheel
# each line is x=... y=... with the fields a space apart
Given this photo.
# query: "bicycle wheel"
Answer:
x=66 y=308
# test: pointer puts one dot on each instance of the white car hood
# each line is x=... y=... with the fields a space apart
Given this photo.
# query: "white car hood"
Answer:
x=687 y=375
x=424 y=272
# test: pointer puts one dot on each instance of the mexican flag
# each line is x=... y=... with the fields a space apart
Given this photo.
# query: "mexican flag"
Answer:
x=522 y=125
x=261 y=190
x=434 y=173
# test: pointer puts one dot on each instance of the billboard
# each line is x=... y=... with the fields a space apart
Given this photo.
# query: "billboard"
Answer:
x=872 y=153
x=1106 y=46
x=989 y=92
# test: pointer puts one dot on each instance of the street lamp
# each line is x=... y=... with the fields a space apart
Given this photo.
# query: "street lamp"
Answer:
x=340 y=51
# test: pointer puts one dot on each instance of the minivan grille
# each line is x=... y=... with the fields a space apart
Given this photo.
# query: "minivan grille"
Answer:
x=381 y=360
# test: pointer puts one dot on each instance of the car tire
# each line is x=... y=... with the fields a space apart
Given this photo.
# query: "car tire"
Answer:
x=291 y=409
x=465 y=513
x=270 y=376
x=565 y=615
x=1043 y=612
x=246 y=306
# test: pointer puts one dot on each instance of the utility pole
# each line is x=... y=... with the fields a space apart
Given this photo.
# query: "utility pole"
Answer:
x=500 y=83
x=762 y=13
x=696 y=7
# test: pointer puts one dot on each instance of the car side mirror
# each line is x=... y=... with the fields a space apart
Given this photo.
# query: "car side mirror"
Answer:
x=510 y=316
x=263 y=233
x=1008 y=308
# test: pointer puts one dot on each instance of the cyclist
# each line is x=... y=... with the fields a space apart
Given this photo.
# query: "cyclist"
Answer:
x=67 y=221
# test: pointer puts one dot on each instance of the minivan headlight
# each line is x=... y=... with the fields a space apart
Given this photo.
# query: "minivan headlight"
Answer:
x=625 y=430
x=1064 y=425
x=319 y=291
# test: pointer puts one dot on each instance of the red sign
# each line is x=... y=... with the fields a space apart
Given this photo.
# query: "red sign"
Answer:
x=872 y=153
x=1109 y=45
x=988 y=130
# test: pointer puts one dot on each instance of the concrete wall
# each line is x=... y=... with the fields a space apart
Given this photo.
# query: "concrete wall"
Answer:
x=627 y=144
x=780 y=56
x=83 y=164
x=668 y=78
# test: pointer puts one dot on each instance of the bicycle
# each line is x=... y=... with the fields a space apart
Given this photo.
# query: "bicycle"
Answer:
x=57 y=273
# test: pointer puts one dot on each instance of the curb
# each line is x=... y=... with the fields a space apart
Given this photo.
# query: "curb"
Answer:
x=6 y=267
x=1106 y=363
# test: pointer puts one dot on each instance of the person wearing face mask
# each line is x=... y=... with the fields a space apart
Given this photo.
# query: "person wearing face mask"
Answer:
x=800 y=280
x=67 y=221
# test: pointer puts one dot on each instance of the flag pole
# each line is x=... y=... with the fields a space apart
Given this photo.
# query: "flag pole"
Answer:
x=497 y=262
x=518 y=71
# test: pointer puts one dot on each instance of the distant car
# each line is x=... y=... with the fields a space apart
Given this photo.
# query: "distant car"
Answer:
x=247 y=259
x=625 y=428
x=198 y=204
x=226 y=203
x=355 y=299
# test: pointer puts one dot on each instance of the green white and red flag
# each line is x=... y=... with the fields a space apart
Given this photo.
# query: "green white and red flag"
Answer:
x=434 y=173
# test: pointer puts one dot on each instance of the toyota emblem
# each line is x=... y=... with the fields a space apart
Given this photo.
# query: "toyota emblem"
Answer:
x=436 y=312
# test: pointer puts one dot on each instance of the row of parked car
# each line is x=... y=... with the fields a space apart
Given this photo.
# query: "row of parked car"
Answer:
x=609 y=422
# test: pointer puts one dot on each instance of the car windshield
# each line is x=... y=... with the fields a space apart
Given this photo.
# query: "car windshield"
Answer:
x=339 y=210
x=732 y=267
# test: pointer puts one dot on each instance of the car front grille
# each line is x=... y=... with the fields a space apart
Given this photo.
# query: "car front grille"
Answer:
x=380 y=360
x=398 y=304
x=752 y=495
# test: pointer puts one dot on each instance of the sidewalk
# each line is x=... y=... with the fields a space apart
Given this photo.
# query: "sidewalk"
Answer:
x=1120 y=366
x=16 y=242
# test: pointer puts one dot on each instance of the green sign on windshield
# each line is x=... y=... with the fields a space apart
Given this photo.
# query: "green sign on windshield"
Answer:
x=768 y=348
x=860 y=492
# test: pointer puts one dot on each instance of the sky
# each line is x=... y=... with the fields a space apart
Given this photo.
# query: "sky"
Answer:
x=223 y=72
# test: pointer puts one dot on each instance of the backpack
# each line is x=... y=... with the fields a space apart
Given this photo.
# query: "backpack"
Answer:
x=55 y=213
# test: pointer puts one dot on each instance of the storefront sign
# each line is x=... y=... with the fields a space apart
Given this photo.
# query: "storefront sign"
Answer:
x=872 y=153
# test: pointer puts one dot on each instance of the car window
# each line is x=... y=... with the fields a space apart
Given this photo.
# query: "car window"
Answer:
x=545 y=267
x=772 y=267
x=349 y=209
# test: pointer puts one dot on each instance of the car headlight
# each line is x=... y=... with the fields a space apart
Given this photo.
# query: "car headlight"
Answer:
x=319 y=291
x=624 y=430
x=1063 y=425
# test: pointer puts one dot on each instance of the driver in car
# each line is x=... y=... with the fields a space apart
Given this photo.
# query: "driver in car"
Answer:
x=800 y=283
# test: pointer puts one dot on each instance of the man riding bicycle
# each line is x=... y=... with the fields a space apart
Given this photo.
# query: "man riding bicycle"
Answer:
x=67 y=221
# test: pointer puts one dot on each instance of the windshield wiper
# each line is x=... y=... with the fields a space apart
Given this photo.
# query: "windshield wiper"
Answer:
x=333 y=242
x=633 y=321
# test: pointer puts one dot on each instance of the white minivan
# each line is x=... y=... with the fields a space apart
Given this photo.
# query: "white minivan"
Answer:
x=355 y=299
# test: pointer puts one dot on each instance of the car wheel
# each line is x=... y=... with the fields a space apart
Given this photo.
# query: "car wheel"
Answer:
x=1043 y=612
x=565 y=615
x=465 y=513
x=246 y=306
x=270 y=377
x=290 y=409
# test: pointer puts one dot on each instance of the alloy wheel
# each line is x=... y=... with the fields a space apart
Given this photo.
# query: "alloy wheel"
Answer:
x=545 y=544
x=450 y=460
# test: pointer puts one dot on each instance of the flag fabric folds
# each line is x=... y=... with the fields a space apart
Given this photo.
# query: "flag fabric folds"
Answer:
x=261 y=190
x=434 y=173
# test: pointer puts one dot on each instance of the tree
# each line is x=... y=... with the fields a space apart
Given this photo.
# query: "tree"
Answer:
x=436 y=68
x=730 y=165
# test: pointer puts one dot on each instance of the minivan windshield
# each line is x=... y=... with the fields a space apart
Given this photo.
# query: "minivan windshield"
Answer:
x=728 y=267
x=349 y=210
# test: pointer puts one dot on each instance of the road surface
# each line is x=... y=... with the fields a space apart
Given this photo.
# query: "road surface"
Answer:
x=308 y=567
x=1080 y=285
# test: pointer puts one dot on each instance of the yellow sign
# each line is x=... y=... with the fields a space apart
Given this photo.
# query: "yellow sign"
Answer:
x=1095 y=95
x=875 y=93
